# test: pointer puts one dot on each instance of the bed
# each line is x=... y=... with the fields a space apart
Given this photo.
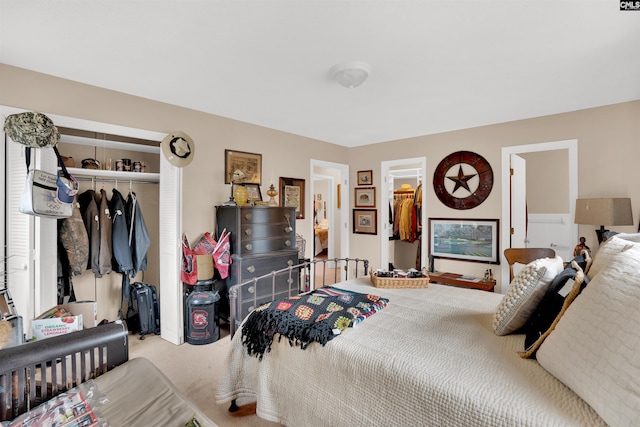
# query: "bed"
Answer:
x=431 y=357
x=39 y=378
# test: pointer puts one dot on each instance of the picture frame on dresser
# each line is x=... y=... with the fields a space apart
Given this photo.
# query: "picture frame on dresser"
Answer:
x=475 y=240
x=292 y=194
x=250 y=164
x=255 y=195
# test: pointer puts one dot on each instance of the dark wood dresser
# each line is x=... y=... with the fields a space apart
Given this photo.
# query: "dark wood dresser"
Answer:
x=263 y=239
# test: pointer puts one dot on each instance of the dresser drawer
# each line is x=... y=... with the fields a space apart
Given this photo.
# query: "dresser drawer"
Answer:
x=266 y=215
x=267 y=245
x=247 y=267
x=248 y=305
x=261 y=231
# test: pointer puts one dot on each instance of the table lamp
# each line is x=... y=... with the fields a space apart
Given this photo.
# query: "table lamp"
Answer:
x=237 y=177
x=612 y=211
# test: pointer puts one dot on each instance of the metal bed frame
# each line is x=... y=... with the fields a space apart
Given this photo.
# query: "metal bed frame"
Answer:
x=350 y=267
x=37 y=371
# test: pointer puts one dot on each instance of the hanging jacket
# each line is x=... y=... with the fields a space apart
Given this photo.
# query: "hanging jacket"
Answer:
x=91 y=219
x=74 y=240
x=122 y=261
x=105 y=234
x=139 y=240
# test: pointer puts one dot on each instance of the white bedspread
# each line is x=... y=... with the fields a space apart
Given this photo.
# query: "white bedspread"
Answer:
x=429 y=358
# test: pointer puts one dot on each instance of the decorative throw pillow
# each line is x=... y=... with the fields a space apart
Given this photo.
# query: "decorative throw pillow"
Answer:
x=524 y=293
x=563 y=290
x=611 y=247
x=594 y=347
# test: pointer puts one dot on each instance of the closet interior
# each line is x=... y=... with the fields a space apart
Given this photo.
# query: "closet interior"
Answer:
x=405 y=227
x=97 y=158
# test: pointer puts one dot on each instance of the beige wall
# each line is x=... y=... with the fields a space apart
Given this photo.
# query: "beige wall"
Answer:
x=608 y=149
x=548 y=170
x=283 y=154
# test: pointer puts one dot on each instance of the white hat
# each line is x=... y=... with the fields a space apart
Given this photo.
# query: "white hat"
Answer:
x=178 y=148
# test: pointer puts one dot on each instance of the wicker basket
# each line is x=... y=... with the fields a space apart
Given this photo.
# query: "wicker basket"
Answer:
x=398 y=282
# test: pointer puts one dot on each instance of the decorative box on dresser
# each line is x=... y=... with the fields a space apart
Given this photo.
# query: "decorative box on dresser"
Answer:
x=263 y=239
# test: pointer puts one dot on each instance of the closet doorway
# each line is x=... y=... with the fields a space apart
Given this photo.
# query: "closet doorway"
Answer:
x=401 y=179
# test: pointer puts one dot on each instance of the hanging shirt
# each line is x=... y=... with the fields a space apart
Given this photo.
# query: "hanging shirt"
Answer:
x=122 y=259
x=91 y=219
x=106 y=251
x=139 y=240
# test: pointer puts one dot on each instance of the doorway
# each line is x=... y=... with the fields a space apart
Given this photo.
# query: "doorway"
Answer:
x=323 y=213
x=522 y=228
x=333 y=179
x=396 y=173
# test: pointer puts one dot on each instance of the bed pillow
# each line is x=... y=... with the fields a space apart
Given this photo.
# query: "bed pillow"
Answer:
x=594 y=347
x=611 y=247
x=524 y=293
x=564 y=288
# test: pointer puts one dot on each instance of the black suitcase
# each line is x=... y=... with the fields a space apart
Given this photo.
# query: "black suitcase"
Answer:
x=143 y=316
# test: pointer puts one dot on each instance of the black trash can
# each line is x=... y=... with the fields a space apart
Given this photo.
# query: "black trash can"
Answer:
x=201 y=314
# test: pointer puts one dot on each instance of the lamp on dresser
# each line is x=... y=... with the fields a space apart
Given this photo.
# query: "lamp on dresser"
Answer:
x=605 y=211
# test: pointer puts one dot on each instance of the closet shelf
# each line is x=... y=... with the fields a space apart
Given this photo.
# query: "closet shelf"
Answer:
x=79 y=140
x=125 y=176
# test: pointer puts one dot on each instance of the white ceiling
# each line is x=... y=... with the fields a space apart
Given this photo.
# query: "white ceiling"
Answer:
x=436 y=65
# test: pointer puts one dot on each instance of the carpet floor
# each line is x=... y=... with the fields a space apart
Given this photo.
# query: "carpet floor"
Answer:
x=195 y=370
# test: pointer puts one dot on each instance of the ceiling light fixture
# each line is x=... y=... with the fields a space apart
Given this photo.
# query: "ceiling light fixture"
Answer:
x=350 y=74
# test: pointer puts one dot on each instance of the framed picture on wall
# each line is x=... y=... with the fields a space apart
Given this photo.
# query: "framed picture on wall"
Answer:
x=365 y=221
x=464 y=239
x=292 y=194
x=365 y=197
x=247 y=165
x=365 y=177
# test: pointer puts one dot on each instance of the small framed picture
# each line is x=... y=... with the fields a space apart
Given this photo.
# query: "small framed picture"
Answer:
x=292 y=194
x=365 y=197
x=365 y=177
x=365 y=221
x=255 y=195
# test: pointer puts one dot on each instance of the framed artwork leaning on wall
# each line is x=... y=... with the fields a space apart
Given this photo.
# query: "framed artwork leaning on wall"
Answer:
x=292 y=194
x=464 y=239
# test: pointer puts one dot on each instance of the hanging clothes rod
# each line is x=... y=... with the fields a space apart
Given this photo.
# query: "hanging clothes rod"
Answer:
x=123 y=181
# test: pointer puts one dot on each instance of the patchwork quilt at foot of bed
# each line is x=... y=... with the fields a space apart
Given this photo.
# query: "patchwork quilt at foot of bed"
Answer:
x=317 y=316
